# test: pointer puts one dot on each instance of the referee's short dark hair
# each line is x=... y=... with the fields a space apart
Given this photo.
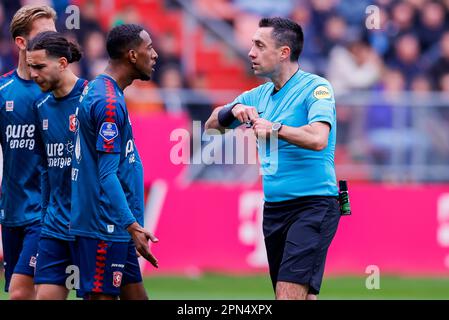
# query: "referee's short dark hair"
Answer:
x=122 y=38
x=286 y=33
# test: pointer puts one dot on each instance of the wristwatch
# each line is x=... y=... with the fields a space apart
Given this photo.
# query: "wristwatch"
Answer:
x=275 y=127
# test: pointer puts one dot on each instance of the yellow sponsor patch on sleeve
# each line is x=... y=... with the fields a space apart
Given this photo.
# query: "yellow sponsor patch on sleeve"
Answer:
x=322 y=92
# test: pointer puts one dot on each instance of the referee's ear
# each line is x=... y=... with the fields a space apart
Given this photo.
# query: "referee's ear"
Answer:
x=285 y=53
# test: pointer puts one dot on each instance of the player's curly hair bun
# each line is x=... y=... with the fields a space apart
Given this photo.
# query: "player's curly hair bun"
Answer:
x=56 y=45
x=75 y=51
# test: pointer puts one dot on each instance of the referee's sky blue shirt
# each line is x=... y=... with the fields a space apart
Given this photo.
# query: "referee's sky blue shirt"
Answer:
x=290 y=171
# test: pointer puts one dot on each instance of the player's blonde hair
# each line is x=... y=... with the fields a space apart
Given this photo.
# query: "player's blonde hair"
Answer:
x=23 y=19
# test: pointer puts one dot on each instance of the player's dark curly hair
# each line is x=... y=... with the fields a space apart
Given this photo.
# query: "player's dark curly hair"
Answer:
x=122 y=38
x=286 y=33
x=56 y=45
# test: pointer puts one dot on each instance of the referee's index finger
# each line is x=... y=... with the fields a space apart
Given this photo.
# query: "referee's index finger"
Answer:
x=253 y=113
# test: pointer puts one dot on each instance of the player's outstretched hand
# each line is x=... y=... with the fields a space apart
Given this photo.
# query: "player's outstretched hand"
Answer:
x=140 y=237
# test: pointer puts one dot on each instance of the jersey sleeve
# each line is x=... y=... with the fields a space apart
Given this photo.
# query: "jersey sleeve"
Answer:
x=321 y=103
x=2 y=105
x=108 y=166
x=109 y=119
x=45 y=189
x=40 y=150
x=247 y=98
x=39 y=134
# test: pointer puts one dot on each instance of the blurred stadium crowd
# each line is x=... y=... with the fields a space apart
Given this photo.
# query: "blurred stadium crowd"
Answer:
x=391 y=83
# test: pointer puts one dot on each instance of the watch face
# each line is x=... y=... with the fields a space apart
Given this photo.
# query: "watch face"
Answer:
x=276 y=126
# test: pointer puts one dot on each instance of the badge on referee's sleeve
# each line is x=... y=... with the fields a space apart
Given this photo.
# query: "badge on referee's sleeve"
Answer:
x=322 y=92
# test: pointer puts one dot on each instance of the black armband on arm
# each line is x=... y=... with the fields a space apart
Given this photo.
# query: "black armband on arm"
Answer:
x=225 y=116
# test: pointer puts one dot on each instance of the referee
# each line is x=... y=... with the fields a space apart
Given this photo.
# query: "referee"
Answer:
x=301 y=210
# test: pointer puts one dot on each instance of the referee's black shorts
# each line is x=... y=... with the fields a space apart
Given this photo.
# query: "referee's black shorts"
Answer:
x=297 y=234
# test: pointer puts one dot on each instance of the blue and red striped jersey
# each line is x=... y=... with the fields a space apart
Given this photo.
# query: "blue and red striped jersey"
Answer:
x=103 y=127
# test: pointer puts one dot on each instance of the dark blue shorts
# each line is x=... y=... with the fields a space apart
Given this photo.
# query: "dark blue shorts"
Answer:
x=20 y=249
x=54 y=256
x=105 y=266
x=297 y=234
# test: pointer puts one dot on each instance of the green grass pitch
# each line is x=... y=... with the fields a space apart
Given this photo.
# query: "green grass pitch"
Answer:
x=219 y=286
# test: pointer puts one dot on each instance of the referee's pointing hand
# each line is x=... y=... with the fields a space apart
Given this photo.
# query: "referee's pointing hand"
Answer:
x=245 y=113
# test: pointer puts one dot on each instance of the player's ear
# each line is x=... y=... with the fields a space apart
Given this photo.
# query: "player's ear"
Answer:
x=132 y=56
x=63 y=63
x=21 y=42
